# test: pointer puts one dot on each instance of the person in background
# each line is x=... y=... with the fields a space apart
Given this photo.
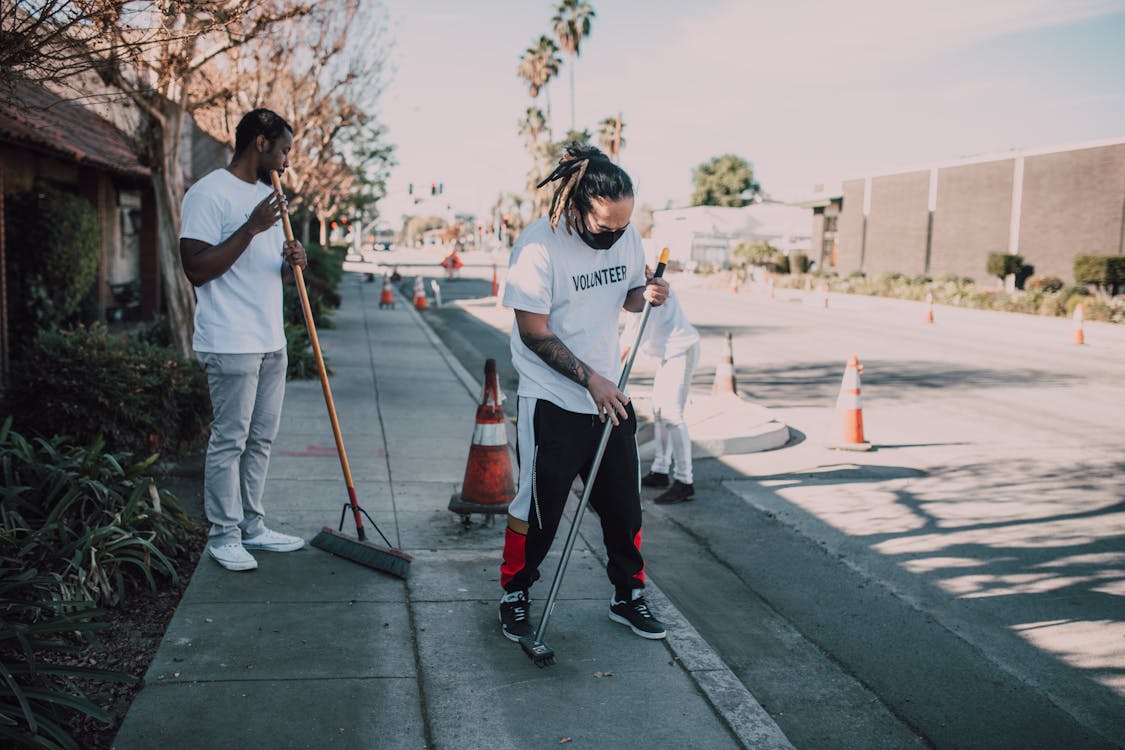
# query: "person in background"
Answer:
x=672 y=341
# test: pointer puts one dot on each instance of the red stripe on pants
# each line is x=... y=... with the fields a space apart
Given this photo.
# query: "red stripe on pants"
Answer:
x=637 y=543
x=514 y=556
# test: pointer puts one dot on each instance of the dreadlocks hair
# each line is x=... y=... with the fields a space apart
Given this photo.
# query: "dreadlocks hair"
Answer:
x=259 y=122
x=585 y=173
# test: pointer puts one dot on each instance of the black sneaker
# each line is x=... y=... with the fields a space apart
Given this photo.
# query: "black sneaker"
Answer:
x=679 y=492
x=638 y=617
x=654 y=479
x=514 y=620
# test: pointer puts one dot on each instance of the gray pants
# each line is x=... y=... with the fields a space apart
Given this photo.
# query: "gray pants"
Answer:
x=247 y=391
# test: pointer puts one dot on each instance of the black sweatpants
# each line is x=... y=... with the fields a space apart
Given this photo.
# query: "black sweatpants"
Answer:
x=565 y=444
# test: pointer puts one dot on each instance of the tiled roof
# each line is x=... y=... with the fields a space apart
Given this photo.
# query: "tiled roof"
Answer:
x=41 y=120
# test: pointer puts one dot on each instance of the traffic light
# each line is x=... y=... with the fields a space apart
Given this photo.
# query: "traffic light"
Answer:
x=410 y=188
x=433 y=188
x=441 y=188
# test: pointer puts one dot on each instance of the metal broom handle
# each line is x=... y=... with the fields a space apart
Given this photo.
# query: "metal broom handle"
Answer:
x=572 y=535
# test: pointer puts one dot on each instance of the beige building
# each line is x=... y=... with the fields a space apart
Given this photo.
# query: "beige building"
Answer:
x=1046 y=205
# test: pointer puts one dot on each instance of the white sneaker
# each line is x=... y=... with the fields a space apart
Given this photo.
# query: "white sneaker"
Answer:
x=232 y=556
x=273 y=541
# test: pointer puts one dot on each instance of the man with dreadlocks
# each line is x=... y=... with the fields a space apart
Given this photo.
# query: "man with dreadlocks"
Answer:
x=567 y=286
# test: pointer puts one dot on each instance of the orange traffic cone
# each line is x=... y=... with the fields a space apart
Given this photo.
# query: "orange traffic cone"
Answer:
x=419 y=294
x=734 y=284
x=770 y=285
x=1079 y=318
x=488 y=487
x=387 y=298
x=849 y=411
x=495 y=283
x=929 y=307
x=724 y=374
x=824 y=296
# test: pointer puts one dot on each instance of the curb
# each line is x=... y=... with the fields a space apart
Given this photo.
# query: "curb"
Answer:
x=734 y=704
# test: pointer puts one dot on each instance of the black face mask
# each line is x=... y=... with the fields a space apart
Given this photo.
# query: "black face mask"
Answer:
x=600 y=240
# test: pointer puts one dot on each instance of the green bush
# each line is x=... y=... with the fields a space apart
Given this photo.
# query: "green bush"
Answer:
x=88 y=383
x=322 y=276
x=85 y=516
x=37 y=692
x=302 y=360
x=1107 y=272
x=798 y=263
x=79 y=529
x=54 y=241
x=1001 y=265
x=754 y=253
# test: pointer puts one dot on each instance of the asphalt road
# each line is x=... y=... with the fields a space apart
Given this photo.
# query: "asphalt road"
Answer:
x=960 y=586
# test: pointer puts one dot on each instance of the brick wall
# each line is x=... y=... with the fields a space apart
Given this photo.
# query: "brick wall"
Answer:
x=897 y=224
x=972 y=218
x=1073 y=204
x=850 y=230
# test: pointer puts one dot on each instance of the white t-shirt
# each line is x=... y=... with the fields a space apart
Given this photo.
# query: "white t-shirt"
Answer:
x=667 y=333
x=581 y=290
x=240 y=312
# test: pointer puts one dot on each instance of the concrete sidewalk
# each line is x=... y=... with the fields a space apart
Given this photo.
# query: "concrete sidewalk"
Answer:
x=313 y=651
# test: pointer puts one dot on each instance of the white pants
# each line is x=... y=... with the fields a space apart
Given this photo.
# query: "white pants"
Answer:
x=670 y=391
x=247 y=391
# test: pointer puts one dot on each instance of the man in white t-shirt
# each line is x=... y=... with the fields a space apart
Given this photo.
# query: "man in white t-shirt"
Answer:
x=568 y=286
x=234 y=252
x=671 y=340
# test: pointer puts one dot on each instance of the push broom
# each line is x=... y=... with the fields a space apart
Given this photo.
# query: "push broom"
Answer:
x=387 y=559
x=539 y=652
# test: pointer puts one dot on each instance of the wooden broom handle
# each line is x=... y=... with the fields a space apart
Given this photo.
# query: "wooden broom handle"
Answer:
x=304 y=294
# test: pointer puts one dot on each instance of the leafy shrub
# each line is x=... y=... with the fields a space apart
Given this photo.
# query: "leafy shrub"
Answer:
x=87 y=383
x=1107 y=272
x=302 y=360
x=54 y=240
x=326 y=264
x=754 y=253
x=36 y=692
x=781 y=263
x=1044 y=284
x=79 y=528
x=1001 y=265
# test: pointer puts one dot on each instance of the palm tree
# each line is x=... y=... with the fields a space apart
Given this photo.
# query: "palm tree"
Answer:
x=532 y=126
x=539 y=64
x=610 y=136
x=572 y=24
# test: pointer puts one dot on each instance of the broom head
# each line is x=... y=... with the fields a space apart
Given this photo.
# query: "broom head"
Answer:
x=393 y=561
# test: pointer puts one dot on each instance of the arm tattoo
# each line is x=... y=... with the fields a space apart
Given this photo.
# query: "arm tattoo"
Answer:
x=554 y=352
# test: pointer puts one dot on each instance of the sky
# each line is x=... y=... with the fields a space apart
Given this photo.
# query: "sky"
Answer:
x=808 y=91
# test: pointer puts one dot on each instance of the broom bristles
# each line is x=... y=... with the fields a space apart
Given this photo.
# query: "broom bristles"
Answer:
x=393 y=561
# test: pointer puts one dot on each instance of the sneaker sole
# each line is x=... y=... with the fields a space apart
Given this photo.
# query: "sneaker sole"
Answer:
x=509 y=635
x=236 y=566
x=624 y=621
x=289 y=547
